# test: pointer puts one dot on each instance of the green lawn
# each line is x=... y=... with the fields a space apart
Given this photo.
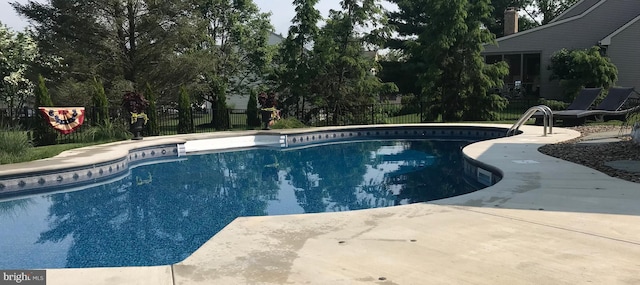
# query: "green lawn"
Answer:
x=35 y=153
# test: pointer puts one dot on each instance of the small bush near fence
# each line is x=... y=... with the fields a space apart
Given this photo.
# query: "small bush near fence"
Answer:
x=288 y=123
x=14 y=142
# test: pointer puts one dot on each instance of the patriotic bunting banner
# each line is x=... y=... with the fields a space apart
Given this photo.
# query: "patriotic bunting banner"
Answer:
x=64 y=120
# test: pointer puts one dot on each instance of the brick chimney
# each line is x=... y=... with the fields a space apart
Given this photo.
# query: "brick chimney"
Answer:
x=510 y=21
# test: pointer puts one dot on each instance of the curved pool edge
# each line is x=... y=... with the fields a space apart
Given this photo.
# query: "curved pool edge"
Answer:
x=363 y=246
x=80 y=167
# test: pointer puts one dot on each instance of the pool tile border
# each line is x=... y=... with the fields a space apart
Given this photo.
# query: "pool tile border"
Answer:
x=401 y=132
x=78 y=176
x=37 y=182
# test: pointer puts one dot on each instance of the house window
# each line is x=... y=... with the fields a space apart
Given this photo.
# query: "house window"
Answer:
x=531 y=73
x=515 y=67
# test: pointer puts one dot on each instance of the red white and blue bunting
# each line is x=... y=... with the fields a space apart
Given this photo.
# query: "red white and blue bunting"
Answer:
x=64 y=120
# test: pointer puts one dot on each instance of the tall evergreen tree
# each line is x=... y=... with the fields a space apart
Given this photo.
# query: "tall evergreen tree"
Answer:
x=252 y=110
x=295 y=76
x=185 y=118
x=43 y=134
x=217 y=89
x=443 y=40
x=100 y=103
x=153 y=129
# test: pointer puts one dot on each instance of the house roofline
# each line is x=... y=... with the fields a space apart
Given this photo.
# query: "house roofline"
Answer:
x=607 y=40
x=566 y=11
x=550 y=25
x=277 y=35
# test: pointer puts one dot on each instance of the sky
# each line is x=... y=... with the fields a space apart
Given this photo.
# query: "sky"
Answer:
x=282 y=12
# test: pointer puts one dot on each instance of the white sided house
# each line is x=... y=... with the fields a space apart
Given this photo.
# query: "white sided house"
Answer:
x=614 y=25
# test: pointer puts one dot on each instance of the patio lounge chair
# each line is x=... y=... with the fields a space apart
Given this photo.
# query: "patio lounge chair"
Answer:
x=582 y=102
x=609 y=109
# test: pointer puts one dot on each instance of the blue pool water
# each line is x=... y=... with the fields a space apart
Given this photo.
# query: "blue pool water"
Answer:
x=161 y=213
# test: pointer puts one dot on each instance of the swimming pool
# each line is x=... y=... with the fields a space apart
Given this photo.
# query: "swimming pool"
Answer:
x=160 y=213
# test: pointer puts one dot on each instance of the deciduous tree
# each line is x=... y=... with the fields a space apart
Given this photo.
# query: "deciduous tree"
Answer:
x=136 y=41
x=17 y=51
x=581 y=68
x=345 y=75
x=236 y=42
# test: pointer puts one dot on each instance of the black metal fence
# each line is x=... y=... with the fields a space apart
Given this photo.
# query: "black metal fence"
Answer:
x=236 y=119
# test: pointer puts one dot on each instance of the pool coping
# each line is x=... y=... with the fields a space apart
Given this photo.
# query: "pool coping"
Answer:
x=95 y=164
x=539 y=197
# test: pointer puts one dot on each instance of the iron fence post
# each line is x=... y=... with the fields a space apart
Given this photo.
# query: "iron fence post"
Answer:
x=373 y=119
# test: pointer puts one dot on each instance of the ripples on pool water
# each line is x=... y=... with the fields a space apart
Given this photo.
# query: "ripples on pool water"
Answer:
x=161 y=213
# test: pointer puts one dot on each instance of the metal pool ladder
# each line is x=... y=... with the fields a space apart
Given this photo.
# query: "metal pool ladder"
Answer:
x=547 y=115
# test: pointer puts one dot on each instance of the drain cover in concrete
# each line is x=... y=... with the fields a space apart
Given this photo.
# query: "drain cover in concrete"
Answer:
x=626 y=165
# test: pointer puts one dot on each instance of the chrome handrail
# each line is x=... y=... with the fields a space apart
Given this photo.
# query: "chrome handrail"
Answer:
x=547 y=117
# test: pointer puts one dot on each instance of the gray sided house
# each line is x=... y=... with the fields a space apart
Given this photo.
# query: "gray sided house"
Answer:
x=614 y=25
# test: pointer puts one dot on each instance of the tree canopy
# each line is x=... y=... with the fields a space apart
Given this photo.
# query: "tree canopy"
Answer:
x=220 y=48
x=577 y=69
x=126 y=43
x=296 y=71
x=17 y=52
x=443 y=40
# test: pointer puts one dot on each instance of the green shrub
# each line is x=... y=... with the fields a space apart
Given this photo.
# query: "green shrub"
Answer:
x=253 y=120
x=575 y=69
x=152 y=127
x=100 y=102
x=485 y=108
x=185 y=118
x=6 y=158
x=410 y=105
x=289 y=123
x=43 y=134
x=220 y=116
x=14 y=142
x=106 y=131
x=390 y=110
x=553 y=104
